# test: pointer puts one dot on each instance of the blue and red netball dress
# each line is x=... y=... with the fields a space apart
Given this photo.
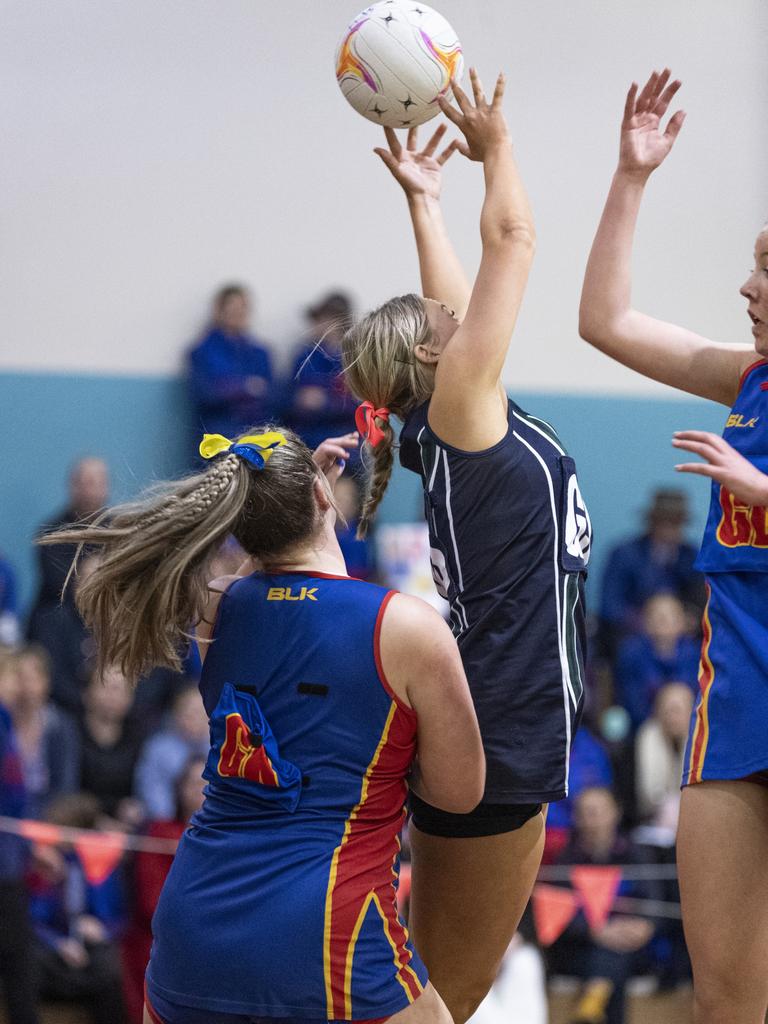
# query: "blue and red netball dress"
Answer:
x=729 y=727
x=510 y=537
x=281 y=898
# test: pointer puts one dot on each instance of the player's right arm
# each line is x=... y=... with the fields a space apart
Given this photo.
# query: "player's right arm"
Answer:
x=422 y=665
x=468 y=408
x=607 y=320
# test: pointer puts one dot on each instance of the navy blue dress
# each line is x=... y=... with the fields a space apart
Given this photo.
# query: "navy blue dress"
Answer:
x=510 y=538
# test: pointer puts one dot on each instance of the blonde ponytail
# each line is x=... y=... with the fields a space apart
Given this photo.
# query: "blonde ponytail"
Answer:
x=380 y=367
x=150 y=584
x=383 y=460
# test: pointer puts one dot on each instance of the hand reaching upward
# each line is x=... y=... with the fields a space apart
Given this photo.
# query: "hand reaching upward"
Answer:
x=418 y=171
x=643 y=144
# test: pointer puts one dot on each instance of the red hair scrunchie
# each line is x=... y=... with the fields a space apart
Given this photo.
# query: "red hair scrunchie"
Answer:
x=365 y=421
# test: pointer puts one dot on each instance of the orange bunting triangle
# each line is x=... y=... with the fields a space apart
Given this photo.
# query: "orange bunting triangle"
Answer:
x=40 y=832
x=597 y=886
x=553 y=910
x=100 y=854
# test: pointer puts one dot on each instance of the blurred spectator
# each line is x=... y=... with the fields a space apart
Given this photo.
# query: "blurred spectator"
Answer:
x=661 y=653
x=607 y=957
x=358 y=554
x=77 y=922
x=9 y=610
x=60 y=629
x=589 y=767
x=660 y=749
x=48 y=738
x=166 y=753
x=16 y=967
x=88 y=494
x=318 y=404
x=110 y=739
x=230 y=371
x=658 y=560
x=149 y=874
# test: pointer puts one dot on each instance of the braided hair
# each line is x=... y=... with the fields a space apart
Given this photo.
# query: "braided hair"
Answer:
x=150 y=585
x=380 y=367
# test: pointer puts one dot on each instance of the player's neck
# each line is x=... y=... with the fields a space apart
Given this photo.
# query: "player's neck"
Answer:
x=322 y=555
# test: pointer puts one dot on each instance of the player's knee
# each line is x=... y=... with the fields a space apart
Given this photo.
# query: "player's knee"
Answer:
x=465 y=1001
x=722 y=995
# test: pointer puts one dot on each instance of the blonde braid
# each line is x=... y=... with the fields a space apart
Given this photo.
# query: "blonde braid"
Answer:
x=383 y=461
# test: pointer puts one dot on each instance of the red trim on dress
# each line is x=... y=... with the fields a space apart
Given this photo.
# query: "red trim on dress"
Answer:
x=749 y=369
x=377 y=656
x=307 y=572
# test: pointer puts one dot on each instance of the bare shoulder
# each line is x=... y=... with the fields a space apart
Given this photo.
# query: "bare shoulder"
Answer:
x=417 y=648
x=410 y=620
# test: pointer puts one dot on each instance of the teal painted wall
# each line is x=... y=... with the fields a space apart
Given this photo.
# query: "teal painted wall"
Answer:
x=142 y=427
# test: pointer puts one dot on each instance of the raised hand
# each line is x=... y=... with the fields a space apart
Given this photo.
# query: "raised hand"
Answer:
x=482 y=124
x=643 y=144
x=419 y=171
x=724 y=464
x=332 y=454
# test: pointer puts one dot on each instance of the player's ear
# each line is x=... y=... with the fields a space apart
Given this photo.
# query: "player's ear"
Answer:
x=322 y=493
x=426 y=353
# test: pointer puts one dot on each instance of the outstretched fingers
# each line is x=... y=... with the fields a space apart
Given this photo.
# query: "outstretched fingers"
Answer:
x=456 y=146
x=675 y=124
x=388 y=158
x=629 y=103
x=412 y=139
x=461 y=97
x=665 y=98
x=432 y=144
x=498 y=92
x=646 y=94
x=393 y=142
x=450 y=111
x=477 y=87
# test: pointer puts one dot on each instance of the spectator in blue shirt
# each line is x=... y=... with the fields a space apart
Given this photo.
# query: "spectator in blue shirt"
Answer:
x=317 y=403
x=16 y=968
x=9 y=611
x=658 y=560
x=230 y=371
x=49 y=742
x=167 y=752
x=77 y=922
x=589 y=767
x=662 y=653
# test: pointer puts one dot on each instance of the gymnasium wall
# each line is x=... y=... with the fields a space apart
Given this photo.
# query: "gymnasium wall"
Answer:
x=155 y=150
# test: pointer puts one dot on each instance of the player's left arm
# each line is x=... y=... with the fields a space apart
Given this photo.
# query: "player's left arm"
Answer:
x=419 y=173
x=724 y=464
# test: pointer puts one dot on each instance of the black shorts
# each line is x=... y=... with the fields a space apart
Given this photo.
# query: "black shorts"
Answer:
x=486 y=820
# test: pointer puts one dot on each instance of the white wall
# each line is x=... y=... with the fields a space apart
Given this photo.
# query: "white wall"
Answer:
x=156 y=148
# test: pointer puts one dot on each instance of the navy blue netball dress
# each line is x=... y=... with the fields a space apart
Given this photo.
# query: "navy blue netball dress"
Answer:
x=729 y=725
x=510 y=538
x=281 y=898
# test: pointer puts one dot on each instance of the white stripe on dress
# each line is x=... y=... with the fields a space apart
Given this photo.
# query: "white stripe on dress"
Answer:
x=538 y=430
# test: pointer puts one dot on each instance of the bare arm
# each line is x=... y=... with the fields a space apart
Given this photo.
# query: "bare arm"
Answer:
x=419 y=172
x=466 y=408
x=607 y=320
x=422 y=664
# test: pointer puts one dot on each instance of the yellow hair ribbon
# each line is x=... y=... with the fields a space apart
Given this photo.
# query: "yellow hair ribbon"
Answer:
x=255 y=448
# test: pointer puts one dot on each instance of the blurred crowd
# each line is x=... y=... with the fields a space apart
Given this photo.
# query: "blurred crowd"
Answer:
x=90 y=752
